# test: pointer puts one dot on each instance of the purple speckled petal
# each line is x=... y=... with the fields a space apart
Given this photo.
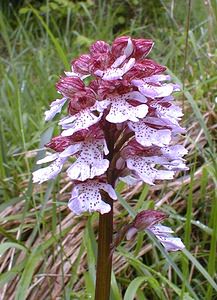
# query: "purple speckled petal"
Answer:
x=87 y=198
x=145 y=171
x=148 y=136
x=81 y=120
x=153 y=91
x=163 y=234
x=174 y=152
x=122 y=111
x=171 y=113
x=90 y=162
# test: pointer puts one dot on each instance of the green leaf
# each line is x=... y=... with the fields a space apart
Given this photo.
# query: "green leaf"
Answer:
x=26 y=278
x=24 y=10
x=133 y=287
x=5 y=246
x=56 y=43
x=196 y=263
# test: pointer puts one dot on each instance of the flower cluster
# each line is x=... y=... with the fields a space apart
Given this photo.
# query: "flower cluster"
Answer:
x=120 y=124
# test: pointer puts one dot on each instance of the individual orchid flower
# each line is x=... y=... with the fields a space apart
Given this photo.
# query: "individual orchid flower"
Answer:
x=81 y=120
x=128 y=47
x=88 y=146
x=149 y=220
x=86 y=197
x=148 y=136
x=142 y=161
x=90 y=162
x=121 y=109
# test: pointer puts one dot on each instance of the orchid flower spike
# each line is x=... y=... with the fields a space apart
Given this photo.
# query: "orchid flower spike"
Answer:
x=120 y=124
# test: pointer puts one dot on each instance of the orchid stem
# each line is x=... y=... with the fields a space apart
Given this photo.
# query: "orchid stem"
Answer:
x=104 y=259
x=105 y=237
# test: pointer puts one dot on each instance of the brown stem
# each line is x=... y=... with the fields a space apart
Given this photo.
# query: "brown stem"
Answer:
x=104 y=259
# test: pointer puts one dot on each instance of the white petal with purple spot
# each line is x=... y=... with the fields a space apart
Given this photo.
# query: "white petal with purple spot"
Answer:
x=147 y=136
x=90 y=162
x=145 y=171
x=163 y=234
x=81 y=120
x=172 y=113
x=122 y=111
x=86 y=197
x=153 y=91
x=174 y=152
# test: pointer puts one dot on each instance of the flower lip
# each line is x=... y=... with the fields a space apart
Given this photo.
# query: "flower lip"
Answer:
x=164 y=235
x=86 y=197
x=90 y=162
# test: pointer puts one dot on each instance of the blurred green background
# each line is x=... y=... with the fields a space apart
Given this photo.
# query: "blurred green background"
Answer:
x=46 y=252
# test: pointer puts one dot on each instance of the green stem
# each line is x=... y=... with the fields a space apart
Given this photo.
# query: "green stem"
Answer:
x=104 y=259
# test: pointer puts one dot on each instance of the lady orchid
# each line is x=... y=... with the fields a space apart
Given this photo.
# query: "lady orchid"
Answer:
x=120 y=125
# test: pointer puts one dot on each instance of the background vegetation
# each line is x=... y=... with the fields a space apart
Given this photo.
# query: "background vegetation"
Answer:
x=45 y=251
